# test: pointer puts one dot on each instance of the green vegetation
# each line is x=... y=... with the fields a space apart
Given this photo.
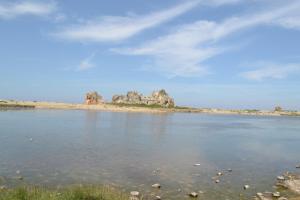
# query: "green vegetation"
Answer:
x=251 y=110
x=71 y=193
x=278 y=109
x=15 y=106
x=137 y=105
x=182 y=107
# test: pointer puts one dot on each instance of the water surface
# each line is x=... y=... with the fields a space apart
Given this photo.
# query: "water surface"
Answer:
x=135 y=150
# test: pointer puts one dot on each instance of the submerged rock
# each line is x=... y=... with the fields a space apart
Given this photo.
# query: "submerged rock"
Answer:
x=246 y=187
x=219 y=173
x=156 y=185
x=193 y=194
x=264 y=196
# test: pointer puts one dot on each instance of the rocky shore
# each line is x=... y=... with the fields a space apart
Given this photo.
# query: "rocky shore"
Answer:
x=112 y=107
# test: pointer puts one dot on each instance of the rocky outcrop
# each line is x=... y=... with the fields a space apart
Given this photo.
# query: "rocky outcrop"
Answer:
x=93 y=98
x=291 y=182
x=160 y=98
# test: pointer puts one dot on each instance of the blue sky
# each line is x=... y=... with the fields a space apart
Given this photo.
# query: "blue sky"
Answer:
x=216 y=53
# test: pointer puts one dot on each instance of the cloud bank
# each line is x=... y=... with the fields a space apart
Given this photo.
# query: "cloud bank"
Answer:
x=184 y=51
x=268 y=70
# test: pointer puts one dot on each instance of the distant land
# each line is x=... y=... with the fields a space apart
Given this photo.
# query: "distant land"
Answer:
x=11 y=104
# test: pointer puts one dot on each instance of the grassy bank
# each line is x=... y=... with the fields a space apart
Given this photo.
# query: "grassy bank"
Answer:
x=70 y=193
x=14 y=105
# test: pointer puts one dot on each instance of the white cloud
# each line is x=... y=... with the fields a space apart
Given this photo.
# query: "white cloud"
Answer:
x=184 y=51
x=265 y=70
x=118 y=28
x=12 y=10
x=86 y=63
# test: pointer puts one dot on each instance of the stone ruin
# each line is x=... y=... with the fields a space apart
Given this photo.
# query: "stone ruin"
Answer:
x=93 y=98
x=160 y=98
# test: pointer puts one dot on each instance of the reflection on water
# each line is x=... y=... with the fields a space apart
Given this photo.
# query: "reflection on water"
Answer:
x=135 y=150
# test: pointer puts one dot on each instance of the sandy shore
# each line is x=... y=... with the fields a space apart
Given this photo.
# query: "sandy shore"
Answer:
x=145 y=109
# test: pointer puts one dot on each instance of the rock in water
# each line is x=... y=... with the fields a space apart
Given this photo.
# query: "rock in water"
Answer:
x=93 y=98
x=193 y=194
x=280 y=178
x=217 y=181
x=246 y=187
x=157 y=198
x=156 y=185
x=134 y=193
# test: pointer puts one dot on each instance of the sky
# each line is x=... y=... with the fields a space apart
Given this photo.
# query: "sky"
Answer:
x=234 y=54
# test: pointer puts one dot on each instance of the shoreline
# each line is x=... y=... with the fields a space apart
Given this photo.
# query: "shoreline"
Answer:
x=10 y=104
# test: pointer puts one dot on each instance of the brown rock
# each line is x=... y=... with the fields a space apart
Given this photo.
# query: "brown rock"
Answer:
x=93 y=98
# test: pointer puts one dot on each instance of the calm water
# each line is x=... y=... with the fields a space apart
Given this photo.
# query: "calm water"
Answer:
x=134 y=150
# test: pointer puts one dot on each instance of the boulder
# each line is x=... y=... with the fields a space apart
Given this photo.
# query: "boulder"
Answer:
x=160 y=98
x=93 y=98
x=134 y=97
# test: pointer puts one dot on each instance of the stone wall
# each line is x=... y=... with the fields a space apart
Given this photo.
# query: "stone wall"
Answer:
x=160 y=98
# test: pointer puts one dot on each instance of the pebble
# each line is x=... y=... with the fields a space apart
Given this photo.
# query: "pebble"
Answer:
x=229 y=170
x=219 y=173
x=157 y=198
x=276 y=194
x=246 y=187
x=193 y=194
x=156 y=185
x=134 y=193
x=280 y=178
x=217 y=181
x=197 y=164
